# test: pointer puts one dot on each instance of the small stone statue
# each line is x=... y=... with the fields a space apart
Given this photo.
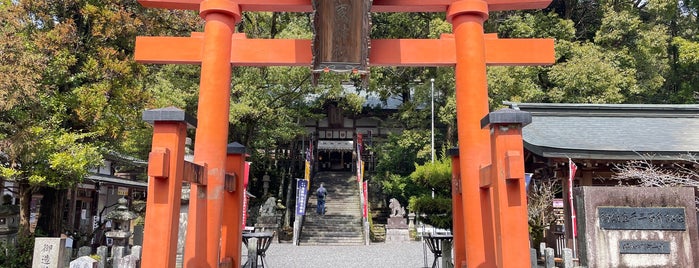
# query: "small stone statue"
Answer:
x=269 y=207
x=396 y=209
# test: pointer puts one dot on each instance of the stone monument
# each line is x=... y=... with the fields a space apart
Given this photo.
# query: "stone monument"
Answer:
x=637 y=227
x=267 y=219
x=49 y=252
x=396 y=227
x=84 y=262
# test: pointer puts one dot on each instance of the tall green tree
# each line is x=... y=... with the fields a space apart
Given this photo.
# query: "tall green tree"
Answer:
x=70 y=89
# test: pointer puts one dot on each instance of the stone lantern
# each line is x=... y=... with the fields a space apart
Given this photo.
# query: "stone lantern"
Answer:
x=265 y=184
x=121 y=218
x=9 y=222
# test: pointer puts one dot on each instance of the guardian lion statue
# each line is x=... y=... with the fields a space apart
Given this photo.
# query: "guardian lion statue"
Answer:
x=268 y=208
x=396 y=209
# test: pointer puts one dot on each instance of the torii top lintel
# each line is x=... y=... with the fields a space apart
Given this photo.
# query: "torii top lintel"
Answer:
x=378 y=5
x=398 y=52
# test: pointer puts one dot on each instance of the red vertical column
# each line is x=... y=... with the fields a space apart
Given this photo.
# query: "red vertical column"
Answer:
x=206 y=200
x=165 y=170
x=507 y=181
x=457 y=210
x=467 y=18
x=232 y=219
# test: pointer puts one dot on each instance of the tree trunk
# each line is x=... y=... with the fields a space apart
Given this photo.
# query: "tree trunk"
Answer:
x=25 y=198
x=52 y=204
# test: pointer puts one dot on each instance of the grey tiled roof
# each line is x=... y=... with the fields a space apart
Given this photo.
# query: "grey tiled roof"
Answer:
x=595 y=131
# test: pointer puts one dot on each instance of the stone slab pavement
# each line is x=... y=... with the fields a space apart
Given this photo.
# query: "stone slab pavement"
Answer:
x=408 y=254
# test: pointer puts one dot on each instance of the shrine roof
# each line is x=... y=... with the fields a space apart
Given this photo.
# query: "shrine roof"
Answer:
x=611 y=131
x=116 y=180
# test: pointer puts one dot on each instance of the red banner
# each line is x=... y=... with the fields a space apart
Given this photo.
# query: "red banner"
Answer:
x=245 y=196
x=365 y=192
x=571 y=175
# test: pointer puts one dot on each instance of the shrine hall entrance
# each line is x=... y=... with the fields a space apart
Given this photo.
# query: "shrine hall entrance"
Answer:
x=333 y=160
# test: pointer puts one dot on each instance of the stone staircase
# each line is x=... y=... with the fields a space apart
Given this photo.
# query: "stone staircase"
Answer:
x=342 y=222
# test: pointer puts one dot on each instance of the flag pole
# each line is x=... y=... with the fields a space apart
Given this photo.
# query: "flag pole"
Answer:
x=572 y=168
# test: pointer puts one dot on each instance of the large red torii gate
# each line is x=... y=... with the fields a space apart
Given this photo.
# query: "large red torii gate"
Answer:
x=469 y=49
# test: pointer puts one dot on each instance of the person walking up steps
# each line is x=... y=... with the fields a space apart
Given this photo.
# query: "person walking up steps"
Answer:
x=321 y=193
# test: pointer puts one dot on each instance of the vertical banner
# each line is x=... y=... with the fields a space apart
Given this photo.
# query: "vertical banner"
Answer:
x=307 y=165
x=571 y=176
x=246 y=198
x=573 y=221
x=359 y=157
x=365 y=192
x=301 y=192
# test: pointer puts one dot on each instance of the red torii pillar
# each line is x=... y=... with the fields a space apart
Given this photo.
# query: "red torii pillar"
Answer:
x=206 y=200
x=508 y=187
x=165 y=172
x=475 y=51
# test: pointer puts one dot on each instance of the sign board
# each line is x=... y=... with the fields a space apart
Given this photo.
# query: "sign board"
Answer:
x=642 y=218
x=301 y=195
x=638 y=227
x=644 y=247
x=122 y=191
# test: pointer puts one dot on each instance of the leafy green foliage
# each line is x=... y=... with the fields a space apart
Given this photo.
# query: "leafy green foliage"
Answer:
x=20 y=255
x=399 y=153
x=437 y=177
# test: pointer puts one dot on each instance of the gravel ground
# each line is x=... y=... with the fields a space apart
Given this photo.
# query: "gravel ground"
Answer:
x=398 y=254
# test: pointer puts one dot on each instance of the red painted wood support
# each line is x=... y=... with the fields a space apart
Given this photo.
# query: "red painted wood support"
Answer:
x=510 y=198
x=457 y=210
x=467 y=18
x=165 y=170
x=384 y=52
x=232 y=220
x=206 y=201
x=378 y=5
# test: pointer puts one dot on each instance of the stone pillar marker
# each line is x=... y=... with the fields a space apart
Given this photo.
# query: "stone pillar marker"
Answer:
x=49 y=252
x=84 y=262
x=84 y=251
x=549 y=258
x=102 y=253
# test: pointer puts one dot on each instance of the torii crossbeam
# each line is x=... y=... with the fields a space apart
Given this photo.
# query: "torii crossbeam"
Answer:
x=469 y=50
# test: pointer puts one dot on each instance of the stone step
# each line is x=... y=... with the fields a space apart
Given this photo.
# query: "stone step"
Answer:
x=356 y=228
x=342 y=223
x=324 y=234
x=332 y=241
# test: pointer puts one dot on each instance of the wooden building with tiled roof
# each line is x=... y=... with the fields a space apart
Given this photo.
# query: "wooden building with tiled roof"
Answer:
x=597 y=137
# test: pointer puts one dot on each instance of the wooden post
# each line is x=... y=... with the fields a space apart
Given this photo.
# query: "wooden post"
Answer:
x=457 y=209
x=232 y=219
x=204 y=227
x=467 y=18
x=165 y=172
x=508 y=184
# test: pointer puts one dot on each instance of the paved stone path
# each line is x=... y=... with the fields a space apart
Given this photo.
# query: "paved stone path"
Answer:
x=403 y=254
